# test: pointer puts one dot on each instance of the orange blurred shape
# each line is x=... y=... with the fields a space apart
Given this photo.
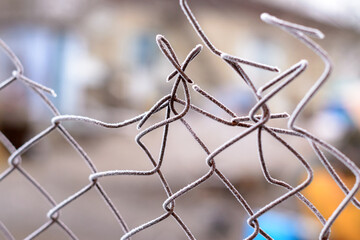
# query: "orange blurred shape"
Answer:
x=326 y=195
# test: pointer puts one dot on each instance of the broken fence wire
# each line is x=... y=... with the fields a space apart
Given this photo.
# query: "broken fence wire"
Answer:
x=251 y=123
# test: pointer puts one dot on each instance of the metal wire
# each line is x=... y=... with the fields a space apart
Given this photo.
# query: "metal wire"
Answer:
x=244 y=125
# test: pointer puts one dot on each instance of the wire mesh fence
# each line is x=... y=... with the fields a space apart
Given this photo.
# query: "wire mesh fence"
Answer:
x=180 y=98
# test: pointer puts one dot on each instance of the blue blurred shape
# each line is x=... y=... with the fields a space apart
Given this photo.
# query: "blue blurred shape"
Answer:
x=279 y=225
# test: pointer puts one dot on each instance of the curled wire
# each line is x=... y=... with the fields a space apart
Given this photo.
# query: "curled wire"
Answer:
x=244 y=125
x=300 y=34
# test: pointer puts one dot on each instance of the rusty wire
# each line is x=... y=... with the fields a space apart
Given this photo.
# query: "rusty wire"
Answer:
x=244 y=124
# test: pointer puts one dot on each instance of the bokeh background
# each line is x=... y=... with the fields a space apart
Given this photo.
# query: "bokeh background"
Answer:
x=102 y=60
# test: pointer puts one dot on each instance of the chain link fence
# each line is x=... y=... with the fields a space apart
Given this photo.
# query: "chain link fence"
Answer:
x=169 y=105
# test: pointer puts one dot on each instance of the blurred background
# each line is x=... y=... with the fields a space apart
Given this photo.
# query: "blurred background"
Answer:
x=102 y=60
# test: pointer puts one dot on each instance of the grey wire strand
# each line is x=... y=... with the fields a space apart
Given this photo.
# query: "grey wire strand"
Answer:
x=208 y=175
x=10 y=147
x=173 y=59
x=239 y=70
x=18 y=74
x=5 y=232
x=295 y=70
x=236 y=67
x=304 y=101
x=235 y=118
x=251 y=123
x=332 y=172
x=235 y=123
x=87 y=159
x=213 y=49
x=141 y=118
x=299 y=67
x=226 y=182
x=36 y=87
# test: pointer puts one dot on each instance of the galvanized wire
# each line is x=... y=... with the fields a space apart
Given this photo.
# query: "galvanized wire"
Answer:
x=244 y=125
